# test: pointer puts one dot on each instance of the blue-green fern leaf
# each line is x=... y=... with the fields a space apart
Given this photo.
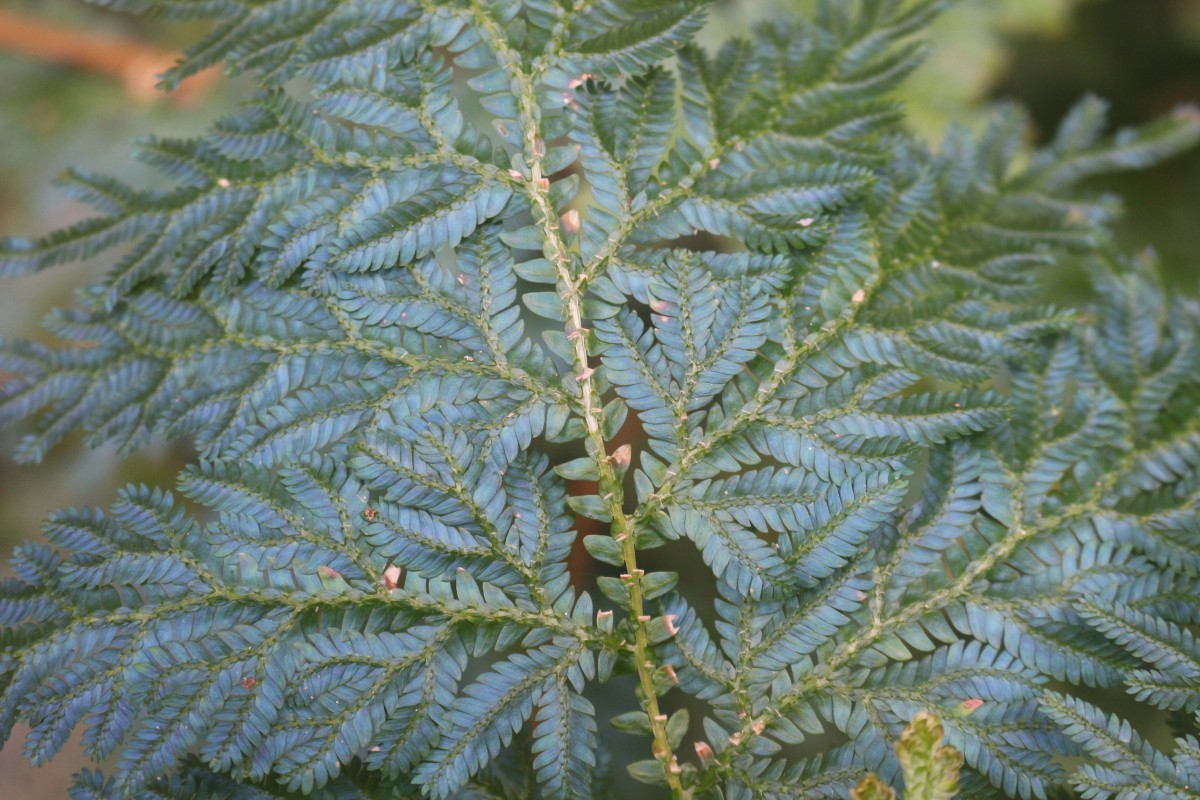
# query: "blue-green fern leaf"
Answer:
x=462 y=279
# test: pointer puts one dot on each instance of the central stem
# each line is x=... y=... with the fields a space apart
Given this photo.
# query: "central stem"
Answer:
x=571 y=289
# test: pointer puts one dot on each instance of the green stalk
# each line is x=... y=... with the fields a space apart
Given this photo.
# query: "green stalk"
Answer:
x=571 y=288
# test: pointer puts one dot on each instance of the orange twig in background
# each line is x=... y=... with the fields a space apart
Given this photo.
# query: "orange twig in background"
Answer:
x=135 y=64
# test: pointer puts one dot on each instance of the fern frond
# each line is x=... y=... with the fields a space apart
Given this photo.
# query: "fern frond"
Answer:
x=462 y=274
x=231 y=663
x=1125 y=767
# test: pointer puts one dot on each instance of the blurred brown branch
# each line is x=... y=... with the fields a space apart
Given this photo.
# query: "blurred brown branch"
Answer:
x=135 y=64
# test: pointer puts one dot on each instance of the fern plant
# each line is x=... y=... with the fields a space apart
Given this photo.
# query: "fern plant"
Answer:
x=454 y=255
x=973 y=54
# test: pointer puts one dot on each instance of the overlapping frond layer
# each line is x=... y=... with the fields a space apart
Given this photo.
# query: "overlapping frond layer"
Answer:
x=279 y=642
x=1034 y=552
x=270 y=374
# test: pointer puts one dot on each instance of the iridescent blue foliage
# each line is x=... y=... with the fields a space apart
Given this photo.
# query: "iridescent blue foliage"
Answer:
x=444 y=261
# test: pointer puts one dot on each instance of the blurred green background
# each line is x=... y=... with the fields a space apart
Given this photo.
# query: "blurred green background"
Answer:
x=1143 y=55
